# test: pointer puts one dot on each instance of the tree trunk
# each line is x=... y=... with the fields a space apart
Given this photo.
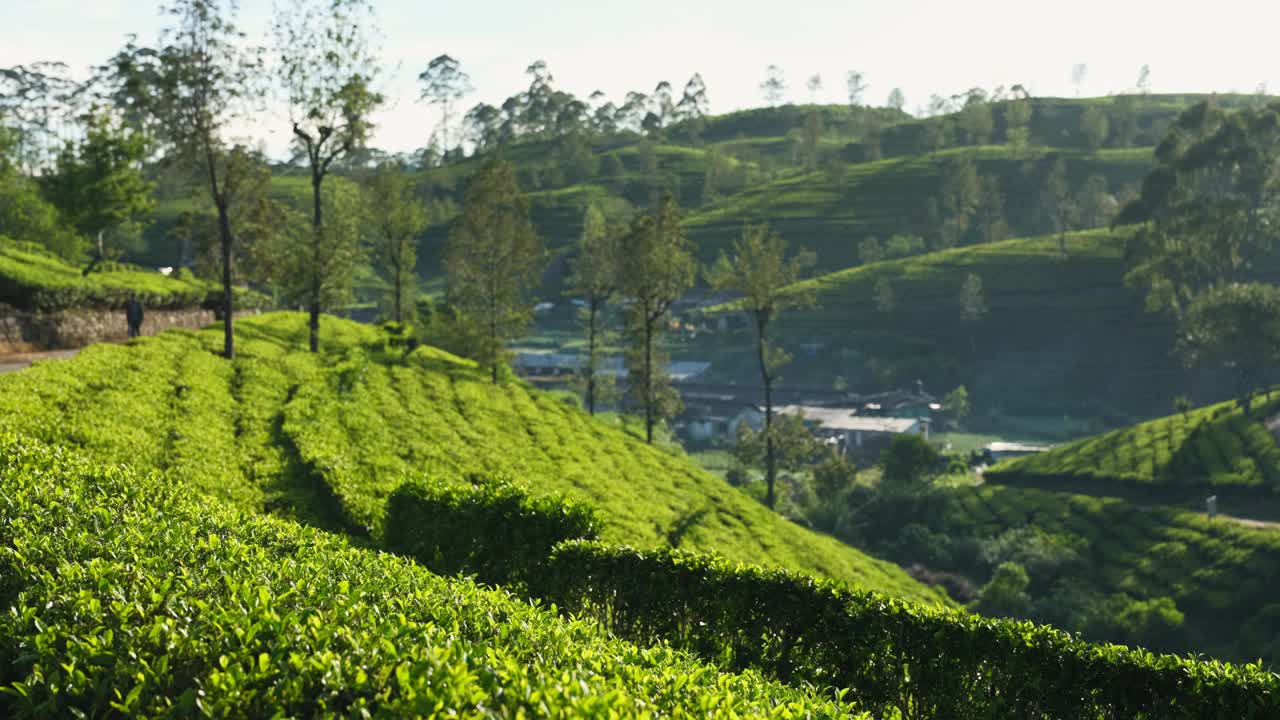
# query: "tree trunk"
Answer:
x=770 y=455
x=591 y=355
x=493 y=345
x=648 y=380
x=225 y=239
x=399 y=317
x=317 y=219
x=228 y=305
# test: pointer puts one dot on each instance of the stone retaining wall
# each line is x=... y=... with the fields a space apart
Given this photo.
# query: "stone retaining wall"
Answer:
x=22 y=331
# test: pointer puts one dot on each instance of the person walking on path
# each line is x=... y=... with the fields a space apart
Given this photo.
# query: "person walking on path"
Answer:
x=133 y=313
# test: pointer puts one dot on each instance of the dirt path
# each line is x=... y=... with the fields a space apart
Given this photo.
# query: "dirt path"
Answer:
x=10 y=363
x=1260 y=524
x=1273 y=424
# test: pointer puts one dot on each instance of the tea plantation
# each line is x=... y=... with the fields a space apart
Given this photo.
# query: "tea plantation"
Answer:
x=133 y=597
x=32 y=278
x=182 y=535
x=1215 y=449
x=1222 y=575
x=327 y=439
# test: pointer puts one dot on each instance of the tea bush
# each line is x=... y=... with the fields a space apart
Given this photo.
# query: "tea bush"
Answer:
x=488 y=528
x=130 y=598
x=922 y=662
x=1212 y=449
x=31 y=279
x=327 y=439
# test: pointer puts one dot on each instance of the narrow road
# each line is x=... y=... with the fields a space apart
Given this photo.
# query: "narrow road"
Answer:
x=10 y=363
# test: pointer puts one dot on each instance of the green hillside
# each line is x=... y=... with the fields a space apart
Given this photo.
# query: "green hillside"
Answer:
x=1037 y=351
x=751 y=156
x=132 y=597
x=31 y=278
x=147 y=575
x=831 y=215
x=1216 y=449
x=1084 y=550
x=327 y=439
x=824 y=211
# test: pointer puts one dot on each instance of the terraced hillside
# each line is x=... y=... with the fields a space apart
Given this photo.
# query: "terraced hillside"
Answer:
x=145 y=577
x=1038 y=349
x=751 y=156
x=133 y=597
x=831 y=215
x=1215 y=449
x=325 y=439
x=1219 y=574
x=31 y=278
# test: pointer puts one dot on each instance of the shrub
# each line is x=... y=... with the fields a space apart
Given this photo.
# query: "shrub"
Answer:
x=1260 y=636
x=1005 y=595
x=921 y=662
x=1155 y=622
x=126 y=597
x=1045 y=556
x=494 y=530
x=907 y=461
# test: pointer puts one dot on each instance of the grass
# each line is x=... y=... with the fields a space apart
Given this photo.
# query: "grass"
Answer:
x=326 y=439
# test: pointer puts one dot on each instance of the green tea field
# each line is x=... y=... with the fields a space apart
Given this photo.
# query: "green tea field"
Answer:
x=186 y=535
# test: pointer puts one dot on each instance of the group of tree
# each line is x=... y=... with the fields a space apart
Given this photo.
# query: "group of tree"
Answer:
x=544 y=112
x=172 y=108
x=974 y=207
x=644 y=265
x=1206 y=217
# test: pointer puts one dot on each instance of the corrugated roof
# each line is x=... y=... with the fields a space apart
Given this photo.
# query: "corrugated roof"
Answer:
x=844 y=419
x=1012 y=447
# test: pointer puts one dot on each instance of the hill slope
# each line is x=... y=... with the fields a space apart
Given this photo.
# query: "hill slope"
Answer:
x=133 y=598
x=1036 y=351
x=327 y=438
x=1216 y=449
x=1061 y=335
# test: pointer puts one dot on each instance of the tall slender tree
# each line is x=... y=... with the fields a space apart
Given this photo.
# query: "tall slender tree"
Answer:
x=760 y=269
x=1079 y=72
x=396 y=218
x=493 y=259
x=594 y=279
x=199 y=82
x=443 y=84
x=961 y=196
x=814 y=83
x=989 y=213
x=318 y=264
x=1017 y=117
x=855 y=84
x=774 y=86
x=973 y=307
x=329 y=68
x=657 y=268
x=897 y=99
x=1058 y=202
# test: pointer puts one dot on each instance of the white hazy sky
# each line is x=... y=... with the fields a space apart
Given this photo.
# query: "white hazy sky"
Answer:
x=922 y=46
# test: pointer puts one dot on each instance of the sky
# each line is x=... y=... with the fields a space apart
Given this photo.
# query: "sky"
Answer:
x=921 y=46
